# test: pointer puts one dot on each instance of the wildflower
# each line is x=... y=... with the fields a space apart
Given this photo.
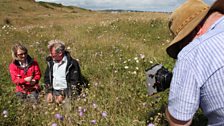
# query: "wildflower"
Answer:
x=142 y=56
x=134 y=72
x=150 y=124
x=96 y=84
x=94 y=105
x=136 y=58
x=136 y=68
x=81 y=113
x=54 y=124
x=104 y=114
x=150 y=61
x=58 y=116
x=5 y=112
x=126 y=67
x=93 y=122
x=68 y=48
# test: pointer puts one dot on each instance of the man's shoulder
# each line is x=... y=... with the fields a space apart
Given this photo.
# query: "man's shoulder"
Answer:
x=208 y=44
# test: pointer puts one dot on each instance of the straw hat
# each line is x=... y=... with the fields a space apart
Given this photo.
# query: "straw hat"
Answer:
x=186 y=18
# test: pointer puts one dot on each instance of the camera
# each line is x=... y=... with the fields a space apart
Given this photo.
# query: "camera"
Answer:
x=158 y=78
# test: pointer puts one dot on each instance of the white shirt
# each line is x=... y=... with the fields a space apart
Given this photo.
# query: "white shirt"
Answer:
x=59 y=74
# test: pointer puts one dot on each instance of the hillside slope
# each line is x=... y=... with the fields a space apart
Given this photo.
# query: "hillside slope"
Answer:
x=15 y=9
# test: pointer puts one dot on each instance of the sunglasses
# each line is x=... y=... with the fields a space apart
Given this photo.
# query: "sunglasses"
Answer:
x=21 y=54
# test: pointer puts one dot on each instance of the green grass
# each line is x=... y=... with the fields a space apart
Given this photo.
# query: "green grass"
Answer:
x=113 y=51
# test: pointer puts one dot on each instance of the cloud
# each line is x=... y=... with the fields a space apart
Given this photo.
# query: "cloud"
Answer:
x=143 y=5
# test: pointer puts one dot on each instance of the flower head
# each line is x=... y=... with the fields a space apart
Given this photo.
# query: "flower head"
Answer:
x=94 y=105
x=93 y=122
x=58 y=116
x=54 y=124
x=104 y=114
x=5 y=112
x=150 y=124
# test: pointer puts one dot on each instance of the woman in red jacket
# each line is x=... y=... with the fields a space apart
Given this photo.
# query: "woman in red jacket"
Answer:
x=25 y=73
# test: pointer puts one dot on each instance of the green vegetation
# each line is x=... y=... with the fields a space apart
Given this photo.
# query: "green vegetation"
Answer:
x=113 y=50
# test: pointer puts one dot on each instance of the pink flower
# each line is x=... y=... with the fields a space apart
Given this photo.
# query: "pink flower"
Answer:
x=150 y=124
x=81 y=113
x=54 y=124
x=58 y=116
x=93 y=122
x=104 y=114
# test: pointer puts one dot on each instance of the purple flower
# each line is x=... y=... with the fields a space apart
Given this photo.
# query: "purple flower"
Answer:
x=58 y=116
x=5 y=112
x=150 y=124
x=81 y=113
x=104 y=114
x=93 y=122
x=54 y=124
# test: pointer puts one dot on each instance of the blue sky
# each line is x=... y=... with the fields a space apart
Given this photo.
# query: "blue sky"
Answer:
x=141 y=5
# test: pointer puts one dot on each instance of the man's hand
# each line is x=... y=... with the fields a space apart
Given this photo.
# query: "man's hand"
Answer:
x=49 y=97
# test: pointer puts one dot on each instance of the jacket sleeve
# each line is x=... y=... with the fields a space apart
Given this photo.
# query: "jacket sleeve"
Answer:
x=15 y=76
x=48 y=85
x=37 y=72
x=75 y=73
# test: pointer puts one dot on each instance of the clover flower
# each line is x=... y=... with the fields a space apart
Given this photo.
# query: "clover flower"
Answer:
x=94 y=105
x=58 y=116
x=54 y=124
x=93 y=122
x=104 y=114
x=5 y=113
x=150 y=124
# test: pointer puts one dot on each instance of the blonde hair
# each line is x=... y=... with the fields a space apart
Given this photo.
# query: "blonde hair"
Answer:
x=15 y=48
x=57 y=44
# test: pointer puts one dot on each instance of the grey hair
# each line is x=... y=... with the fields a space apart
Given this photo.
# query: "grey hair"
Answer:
x=57 y=44
x=15 y=48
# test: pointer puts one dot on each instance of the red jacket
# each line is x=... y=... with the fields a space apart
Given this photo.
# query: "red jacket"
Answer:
x=18 y=74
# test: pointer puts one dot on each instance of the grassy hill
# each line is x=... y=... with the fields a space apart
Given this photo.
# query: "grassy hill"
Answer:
x=113 y=49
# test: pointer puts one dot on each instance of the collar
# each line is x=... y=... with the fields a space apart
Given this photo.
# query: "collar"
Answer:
x=23 y=65
x=217 y=23
x=64 y=60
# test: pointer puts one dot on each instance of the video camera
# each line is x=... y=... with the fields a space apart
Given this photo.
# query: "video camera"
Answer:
x=158 y=78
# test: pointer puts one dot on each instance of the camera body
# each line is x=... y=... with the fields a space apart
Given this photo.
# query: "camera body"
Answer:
x=158 y=78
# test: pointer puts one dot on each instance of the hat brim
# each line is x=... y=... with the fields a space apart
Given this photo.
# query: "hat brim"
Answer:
x=173 y=48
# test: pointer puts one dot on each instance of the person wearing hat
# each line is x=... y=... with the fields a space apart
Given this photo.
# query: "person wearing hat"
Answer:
x=198 y=75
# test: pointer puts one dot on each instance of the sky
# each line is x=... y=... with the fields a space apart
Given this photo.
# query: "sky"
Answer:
x=140 y=5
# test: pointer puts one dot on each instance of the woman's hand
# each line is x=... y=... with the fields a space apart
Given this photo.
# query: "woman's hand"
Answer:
x=28 y=79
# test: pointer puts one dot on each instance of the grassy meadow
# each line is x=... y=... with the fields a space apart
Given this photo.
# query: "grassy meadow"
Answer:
x=113 y=50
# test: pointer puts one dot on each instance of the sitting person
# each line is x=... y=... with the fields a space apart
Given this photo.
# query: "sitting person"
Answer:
x=25 y=73
x=62 y=74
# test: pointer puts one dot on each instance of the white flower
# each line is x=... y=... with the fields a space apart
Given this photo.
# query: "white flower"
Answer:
x=136 y=58
x=126 y=67
x=134 y=72
x=94 y=105
x=142 y=56
x=150 y=61
x=136 y=68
